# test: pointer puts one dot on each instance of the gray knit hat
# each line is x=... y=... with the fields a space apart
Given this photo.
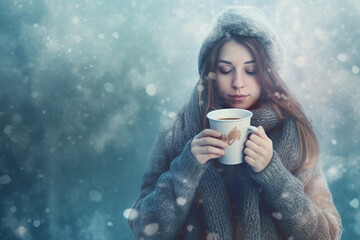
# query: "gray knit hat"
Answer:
x=245 y=21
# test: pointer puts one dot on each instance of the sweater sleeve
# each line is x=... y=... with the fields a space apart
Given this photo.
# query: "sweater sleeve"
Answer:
x=303 y=210
x=166 y=194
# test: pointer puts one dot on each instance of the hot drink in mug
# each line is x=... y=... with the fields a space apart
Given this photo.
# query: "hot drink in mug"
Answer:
x=234 y=125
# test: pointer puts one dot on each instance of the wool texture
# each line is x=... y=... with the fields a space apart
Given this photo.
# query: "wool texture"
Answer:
x=188 y=200
x=244 y=21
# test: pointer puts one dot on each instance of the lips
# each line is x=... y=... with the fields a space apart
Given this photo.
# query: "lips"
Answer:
x=238 y=97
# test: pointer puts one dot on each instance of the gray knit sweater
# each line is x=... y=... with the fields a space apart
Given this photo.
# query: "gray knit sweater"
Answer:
x=183 y=199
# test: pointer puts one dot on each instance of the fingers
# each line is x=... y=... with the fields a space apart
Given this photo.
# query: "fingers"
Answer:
x=250 y=161
x=209 y=137
x=212 y=142
x=208 y=133
x=252 y=145
x=209 y=150
x=212 y=156
x=259 y=137
x=257 y=147
x=207 y=145
x=251 y=153
x=255 y=142
x=260 y=132
x=204 y=153
x=258 y=150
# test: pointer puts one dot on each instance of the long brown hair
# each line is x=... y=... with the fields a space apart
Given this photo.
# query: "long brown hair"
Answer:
x=273 y=90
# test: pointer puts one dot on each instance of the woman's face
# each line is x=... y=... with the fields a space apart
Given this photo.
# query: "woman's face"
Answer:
x=236 y=76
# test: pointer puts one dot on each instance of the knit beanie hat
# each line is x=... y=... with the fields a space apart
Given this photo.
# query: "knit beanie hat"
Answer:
x=245 y=21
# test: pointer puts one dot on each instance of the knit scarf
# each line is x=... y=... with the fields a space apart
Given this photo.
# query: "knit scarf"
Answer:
x=212 y=211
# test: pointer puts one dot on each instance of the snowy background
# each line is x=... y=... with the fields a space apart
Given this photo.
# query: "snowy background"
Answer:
x=85 y=86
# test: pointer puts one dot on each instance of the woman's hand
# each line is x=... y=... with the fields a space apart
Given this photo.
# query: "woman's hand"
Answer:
x=207 y=145
x=258 y=150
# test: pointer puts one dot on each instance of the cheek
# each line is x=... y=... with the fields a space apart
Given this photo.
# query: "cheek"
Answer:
x=257 y=88
x=217 y=82
x=257 y=85
x=219 y=87
x=221 y=82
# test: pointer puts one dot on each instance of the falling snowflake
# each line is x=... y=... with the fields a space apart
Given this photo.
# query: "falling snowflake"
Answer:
x=21 y=230
x=277 y=215
x=151 y=229
x=7 y=129
x=190 y=228
x=333 y=173
x=17 y=118
x=169 y=134
x=200 y=88
x=35 y=94
x=109 y=87
x=75 y=20
x=115 y=35
x=342 y=57
x=212 y=236
x=355 y=69
x=285 y=195
x=13 y=209
x=211 y=76
x=181 y=201
x=130 y=214
x=5 y=179
x=161 y=185
x=172 y=114
x=151 y=89
x=36 y=223
x=95 y=196
x=300 y=61
x=354 y=203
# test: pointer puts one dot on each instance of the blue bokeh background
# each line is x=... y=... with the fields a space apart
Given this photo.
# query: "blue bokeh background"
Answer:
x=86 y=85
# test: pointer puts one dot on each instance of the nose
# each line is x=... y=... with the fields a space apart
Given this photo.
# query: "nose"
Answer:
x=238 y=81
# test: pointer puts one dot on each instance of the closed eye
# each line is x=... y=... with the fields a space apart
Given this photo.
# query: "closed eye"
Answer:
x=225 y=71
x=251 y=72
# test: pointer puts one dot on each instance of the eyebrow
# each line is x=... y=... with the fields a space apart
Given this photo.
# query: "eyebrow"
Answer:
x=227 y=62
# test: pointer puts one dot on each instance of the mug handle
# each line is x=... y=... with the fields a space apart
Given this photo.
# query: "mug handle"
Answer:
x=251 y=129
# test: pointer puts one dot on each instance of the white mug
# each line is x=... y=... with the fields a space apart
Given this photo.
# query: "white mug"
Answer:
x=234 y=125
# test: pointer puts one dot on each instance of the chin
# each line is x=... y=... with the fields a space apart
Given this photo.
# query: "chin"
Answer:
x=240 y=106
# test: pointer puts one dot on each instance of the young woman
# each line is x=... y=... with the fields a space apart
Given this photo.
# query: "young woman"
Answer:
x=279 y=192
